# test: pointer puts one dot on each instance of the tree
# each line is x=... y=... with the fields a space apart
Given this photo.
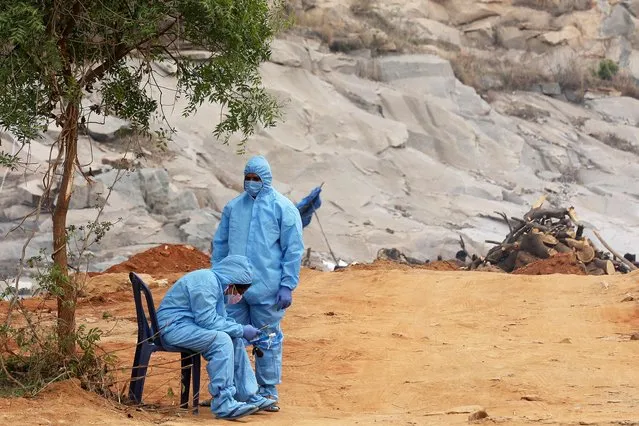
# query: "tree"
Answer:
x=54 y=52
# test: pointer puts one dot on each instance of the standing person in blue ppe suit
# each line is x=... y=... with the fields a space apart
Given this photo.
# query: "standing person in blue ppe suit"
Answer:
x=266 y=227
x=192 y=315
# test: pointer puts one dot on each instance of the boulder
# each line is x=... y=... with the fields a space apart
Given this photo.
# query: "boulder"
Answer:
x=566 y=35
x=633 y=7
x=467 y=11
x=126 y=184
x=390 y=68
x=286 y=53
x=30 y=192
x=87 y=194
x=199 y=228
x=180 y=201
x=622 y=109
x=15 y=212
x=619 y=136
x=515 y=38
x=618 y=23
x=106 y=129
x=427 y=31
x=154 y=186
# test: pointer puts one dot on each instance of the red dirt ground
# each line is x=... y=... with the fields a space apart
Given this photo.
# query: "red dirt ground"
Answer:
x=563 y=263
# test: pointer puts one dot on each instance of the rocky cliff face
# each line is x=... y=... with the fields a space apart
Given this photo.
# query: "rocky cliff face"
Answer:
x=410 y=156
x=494 y=44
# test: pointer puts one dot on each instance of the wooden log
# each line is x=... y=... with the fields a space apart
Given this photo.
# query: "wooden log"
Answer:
x=576 y=244
x=604 y=264
x=533 y=244
x=541 y=228
x=591 y=269
x=549 y=240
x=567 y=233
x=540 y=202
x=524 y=258
x=626 y=262
x=517 y=232
x=476 y=262
x=586 y=254
x=562 y=248
x=507 y=264
x=545 y=213
x=573 y=215
x=497 y=253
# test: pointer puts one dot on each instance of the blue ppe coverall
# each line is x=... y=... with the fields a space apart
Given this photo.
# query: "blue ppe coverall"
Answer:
x=309 y=205
x=268 y=230
x=192 y=315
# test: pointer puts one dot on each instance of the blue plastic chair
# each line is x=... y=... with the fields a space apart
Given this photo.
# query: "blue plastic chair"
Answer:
x=149 y=341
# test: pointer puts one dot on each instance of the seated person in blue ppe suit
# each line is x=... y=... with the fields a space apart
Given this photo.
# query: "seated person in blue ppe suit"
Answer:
x=266 y=227
x=192 y=315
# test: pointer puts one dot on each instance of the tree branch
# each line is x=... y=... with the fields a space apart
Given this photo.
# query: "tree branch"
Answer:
x=119 y=51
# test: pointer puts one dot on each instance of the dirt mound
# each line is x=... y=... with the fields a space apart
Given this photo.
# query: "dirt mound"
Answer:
x=441 y=265
x=388 y=265
x=166 y=258
x=564 y=263
x=377 y=265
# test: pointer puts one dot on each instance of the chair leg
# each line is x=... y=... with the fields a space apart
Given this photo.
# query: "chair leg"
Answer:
x=187 y=362
x=196 y=383
x=134 y=394
x=138 y=373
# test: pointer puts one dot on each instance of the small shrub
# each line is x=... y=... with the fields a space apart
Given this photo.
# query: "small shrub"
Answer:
x=30 y=356
x=607 y=69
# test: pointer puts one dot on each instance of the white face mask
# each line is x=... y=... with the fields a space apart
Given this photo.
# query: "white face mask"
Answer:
x=233 y=296
x=253 y=188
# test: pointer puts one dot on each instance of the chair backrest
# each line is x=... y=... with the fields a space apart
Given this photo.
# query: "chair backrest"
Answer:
x=148 y=329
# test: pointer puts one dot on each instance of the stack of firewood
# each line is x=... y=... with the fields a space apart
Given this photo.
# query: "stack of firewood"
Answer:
x=543 y=233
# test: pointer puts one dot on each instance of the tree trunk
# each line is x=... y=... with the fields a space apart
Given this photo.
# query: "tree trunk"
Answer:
x=68 y=295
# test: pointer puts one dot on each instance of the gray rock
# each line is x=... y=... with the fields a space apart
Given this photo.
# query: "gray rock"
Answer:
x=126 y=184
x=87 y=194
x=167 y=66
x=633 y=7
x=622 y=137
x=390 y=68
x=15 y=212
x=623 y=109
x=435 y=148
x=618 y=23
x=196 y=55
x=30 y=192
x=633 y=64
x=179 y=202
x=551 y=89
x=199 y=228
x=154 y=186
x=106 y=129
x=428 y=31
x=286 y=53
x=515 y=38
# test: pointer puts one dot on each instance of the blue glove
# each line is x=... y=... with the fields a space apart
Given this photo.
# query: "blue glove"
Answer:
x=250 y=332
x=284 y=298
